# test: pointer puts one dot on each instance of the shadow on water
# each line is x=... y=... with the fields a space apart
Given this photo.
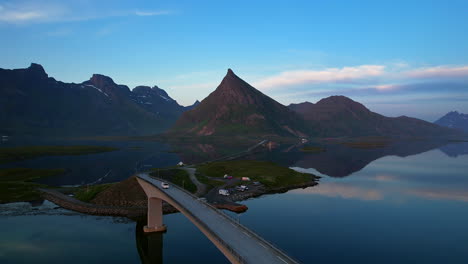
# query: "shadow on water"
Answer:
x=150 y=246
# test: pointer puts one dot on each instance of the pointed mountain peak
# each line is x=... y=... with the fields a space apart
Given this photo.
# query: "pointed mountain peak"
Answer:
x=195 y=103
x=230 y=72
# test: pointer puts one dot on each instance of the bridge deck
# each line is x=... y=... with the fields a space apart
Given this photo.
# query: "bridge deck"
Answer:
x=241 y=240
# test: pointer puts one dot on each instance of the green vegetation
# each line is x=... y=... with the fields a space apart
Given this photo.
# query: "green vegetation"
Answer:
x=176 y=176
x=87 y=193
x=16 y=185
x=210 y=183
x=313 y=149
x=11 y=154
x=268 y=173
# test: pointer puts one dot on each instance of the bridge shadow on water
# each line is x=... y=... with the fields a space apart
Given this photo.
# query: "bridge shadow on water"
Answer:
x=149 y=245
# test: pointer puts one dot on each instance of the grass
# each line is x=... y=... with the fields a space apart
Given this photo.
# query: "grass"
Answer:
x=313 y=149
x=87 y=193
x=176 y=176
x=210 y=183
x=11 y=154
x=16 y=185
x=268 y=173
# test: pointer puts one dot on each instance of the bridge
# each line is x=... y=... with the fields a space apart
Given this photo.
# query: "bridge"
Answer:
x=235 y=241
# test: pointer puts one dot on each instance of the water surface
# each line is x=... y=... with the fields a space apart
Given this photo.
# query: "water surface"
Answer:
x=406 y=205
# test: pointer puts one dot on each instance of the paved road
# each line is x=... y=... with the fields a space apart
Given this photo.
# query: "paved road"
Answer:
x=237 y=155
x=201 y=188
x=244 y=242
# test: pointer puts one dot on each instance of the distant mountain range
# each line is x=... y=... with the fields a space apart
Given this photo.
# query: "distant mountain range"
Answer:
x=454 y=120
x=32 y=103
x=341 y=116
x=237 y=108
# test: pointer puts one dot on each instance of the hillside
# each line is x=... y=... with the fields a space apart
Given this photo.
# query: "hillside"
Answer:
x=234 y=108
x=32 y=103
x=454 y=120
x=340 y=116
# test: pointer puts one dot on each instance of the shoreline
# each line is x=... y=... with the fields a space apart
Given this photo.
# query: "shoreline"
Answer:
x=70 y=203
x=138 y=212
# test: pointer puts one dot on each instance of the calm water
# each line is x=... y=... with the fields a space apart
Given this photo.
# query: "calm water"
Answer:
x=376 y=208
x=101 y=167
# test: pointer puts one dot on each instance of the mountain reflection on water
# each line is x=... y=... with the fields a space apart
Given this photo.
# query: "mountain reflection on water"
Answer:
x=340 y=160
x=405 y=203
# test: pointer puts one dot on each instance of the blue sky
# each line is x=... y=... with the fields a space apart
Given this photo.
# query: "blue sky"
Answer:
x=396 y=57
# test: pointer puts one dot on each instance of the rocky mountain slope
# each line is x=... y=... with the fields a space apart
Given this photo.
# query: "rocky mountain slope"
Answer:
x=454 y=120
x=340 y=116
x=32 y=103
x=237 y=108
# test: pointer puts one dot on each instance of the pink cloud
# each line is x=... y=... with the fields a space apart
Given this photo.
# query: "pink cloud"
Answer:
x=439 y=72
x=345 y=74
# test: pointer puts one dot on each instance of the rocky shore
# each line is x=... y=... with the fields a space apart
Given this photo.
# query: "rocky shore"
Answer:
x=127 y=199
x=70 y=203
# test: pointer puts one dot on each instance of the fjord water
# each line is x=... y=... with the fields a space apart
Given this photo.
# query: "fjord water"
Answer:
x=396 y=210
x=411 y=208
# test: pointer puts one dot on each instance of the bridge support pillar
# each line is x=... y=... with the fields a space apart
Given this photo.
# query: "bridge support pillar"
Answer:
x=155 y=216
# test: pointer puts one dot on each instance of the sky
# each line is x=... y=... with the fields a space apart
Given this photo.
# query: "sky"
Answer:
x=396 y=57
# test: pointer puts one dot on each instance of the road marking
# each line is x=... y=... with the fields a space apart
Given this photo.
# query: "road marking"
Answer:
x=246 y=234
x=233 y=225
x=263 y=246
x=282 y=259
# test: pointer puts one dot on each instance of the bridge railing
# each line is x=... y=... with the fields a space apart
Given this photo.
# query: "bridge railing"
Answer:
x=239 y=258
x=232 y=220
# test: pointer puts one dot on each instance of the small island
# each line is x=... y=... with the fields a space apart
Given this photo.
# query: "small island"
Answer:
x=242 y=178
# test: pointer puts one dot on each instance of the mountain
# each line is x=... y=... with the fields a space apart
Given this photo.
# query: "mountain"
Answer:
x=454 y=120
x=341 y=116
x=234 y=108
x=190 y=107
x=156 y=100
x=32 y=103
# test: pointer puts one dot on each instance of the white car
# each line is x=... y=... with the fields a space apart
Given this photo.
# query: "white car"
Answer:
x=164 y=185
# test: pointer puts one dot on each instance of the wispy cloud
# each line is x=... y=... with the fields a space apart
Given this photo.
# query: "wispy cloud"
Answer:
x=387 y=87
x=363 y=76
x=439 y=72
x=330 y=75
x=152 y=13
x=42 y=11
x=23 y=12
